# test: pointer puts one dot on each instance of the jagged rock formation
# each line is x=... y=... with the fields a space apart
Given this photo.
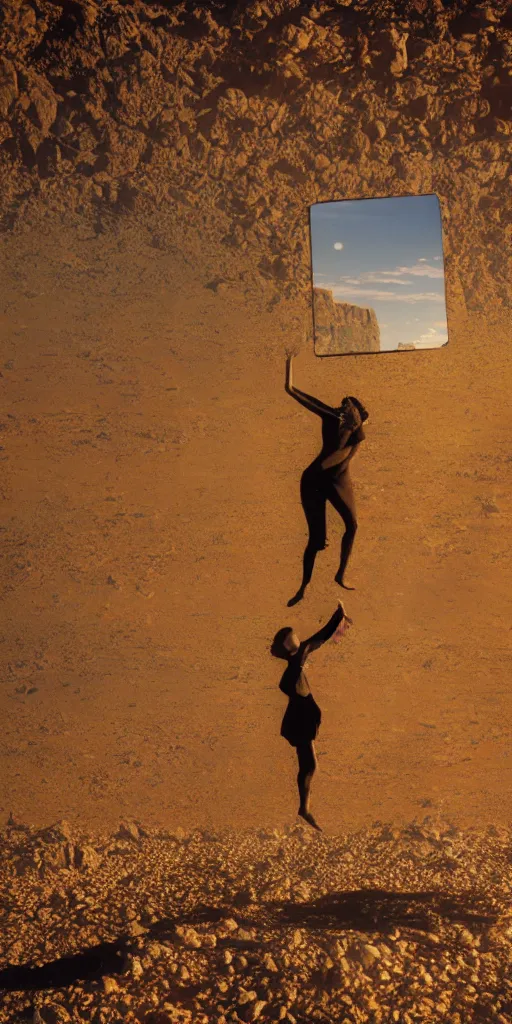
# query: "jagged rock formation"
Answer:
x=341 y=328
x=234 y=118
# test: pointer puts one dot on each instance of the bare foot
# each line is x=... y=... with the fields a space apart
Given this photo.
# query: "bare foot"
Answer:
x=298 y=597
x=339 y=579
x=310 y=819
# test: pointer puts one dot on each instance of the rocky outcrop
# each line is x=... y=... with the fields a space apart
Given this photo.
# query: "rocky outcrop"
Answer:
x=235 y=119
x=268 y=925
x=341 y=328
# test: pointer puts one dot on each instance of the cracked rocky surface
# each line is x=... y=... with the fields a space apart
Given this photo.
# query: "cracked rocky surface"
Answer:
x=232 y=119
x=380 y=925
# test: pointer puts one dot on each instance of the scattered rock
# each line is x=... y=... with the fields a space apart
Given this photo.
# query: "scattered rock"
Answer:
x=136 y=968
x=219 y=287
x=297 y=969
x=398 y=40
x=110 y=985
x=8 y=86
x=86 y=858
x=466 y=938
x=136 y=929
x=257 y=1008
x=54 y=1014
x=129 y=830
x=188 y=937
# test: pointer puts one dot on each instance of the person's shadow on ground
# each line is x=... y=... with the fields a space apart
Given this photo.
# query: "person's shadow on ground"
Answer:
x=377 y=910
x=107 y=958
x=365 y=910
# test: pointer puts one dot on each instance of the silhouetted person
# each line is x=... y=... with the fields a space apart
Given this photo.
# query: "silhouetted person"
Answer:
x=303 y=716
x=328 y=478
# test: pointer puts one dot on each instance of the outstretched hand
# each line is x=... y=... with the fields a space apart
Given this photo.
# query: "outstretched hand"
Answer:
x=290 y=352
x=345 y=616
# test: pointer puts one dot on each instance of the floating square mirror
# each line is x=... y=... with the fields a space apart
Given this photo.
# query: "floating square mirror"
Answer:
x=378 y=275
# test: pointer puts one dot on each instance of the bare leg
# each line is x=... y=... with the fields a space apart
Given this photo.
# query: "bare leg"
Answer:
x=346 y=548
x=308 y=565
x=307 y=765
x=313 y=502
x=342 y=499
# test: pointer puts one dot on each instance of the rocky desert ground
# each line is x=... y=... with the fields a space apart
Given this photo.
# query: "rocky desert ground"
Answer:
x=157 y=162
x=159 y=926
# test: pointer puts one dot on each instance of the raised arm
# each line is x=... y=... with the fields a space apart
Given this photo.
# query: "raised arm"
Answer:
x=324 y=633
x=313 y=404
x=310 y=403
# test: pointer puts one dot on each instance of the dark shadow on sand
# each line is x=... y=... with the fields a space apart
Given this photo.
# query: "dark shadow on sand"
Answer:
x=91 y=964
x=377 y=910
x=364 y=910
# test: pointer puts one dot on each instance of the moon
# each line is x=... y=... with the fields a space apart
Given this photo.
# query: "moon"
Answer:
x=338 y=245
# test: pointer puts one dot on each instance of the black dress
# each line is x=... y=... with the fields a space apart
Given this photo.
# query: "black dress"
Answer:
x=303 y=716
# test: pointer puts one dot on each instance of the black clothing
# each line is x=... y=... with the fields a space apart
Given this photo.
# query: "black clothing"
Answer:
x=301 y=720
x=303 y=716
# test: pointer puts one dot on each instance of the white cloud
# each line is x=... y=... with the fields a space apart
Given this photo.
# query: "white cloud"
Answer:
x=351 y=293
x=398 y=276
x=398 y=272
x=437 y=257
x=379 y=278
x=421 y=259
x=416 y=271
x=338 y=245
x=431 y=338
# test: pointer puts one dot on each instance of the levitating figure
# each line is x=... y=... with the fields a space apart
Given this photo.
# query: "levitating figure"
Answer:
x=328 y=478
x=302 y=717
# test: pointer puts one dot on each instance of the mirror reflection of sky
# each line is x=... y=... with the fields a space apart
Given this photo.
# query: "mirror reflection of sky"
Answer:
x=386 y=254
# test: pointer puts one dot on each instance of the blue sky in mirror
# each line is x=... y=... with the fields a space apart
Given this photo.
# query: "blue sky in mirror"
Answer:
x=386 y=254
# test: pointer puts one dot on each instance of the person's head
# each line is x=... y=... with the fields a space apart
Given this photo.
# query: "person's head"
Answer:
x=285 y=642
x=350 y=400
